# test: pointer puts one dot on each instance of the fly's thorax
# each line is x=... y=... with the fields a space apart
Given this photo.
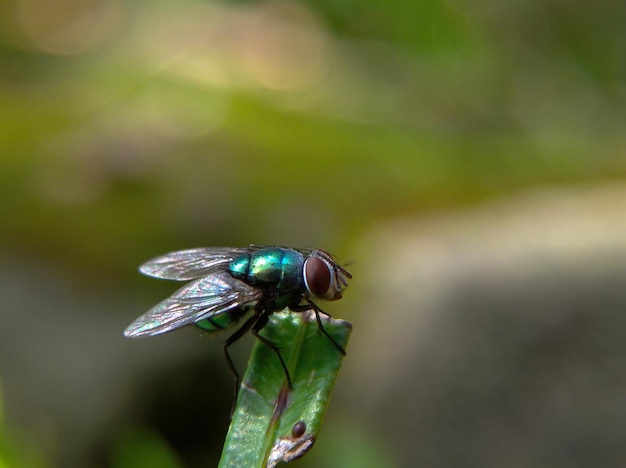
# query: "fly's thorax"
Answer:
x=276 y=267
x=323 y=277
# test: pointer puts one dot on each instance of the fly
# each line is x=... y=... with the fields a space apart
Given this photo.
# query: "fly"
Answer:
x=232 y=283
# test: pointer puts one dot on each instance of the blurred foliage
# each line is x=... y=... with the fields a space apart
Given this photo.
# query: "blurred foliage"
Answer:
x=132 y=128
x=142 y=448
x=346 y=447
x=190 y=123
x=16 y=451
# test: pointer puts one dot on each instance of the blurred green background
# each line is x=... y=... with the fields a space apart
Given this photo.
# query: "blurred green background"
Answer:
x=130 y=129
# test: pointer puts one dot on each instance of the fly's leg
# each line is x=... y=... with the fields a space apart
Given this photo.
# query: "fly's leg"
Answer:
x=232 y=339
x=258 y=326
x=310 y=305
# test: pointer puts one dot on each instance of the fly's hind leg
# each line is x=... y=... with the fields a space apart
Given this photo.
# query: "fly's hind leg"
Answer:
x=232 y=339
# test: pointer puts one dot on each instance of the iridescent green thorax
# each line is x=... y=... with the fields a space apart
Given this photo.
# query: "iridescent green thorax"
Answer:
x=273 y=267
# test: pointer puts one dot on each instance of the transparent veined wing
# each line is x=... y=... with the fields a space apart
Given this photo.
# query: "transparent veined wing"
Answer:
x=189 y=264
x=206 y=297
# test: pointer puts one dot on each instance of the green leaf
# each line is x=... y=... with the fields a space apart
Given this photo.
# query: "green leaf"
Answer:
x=267 y=416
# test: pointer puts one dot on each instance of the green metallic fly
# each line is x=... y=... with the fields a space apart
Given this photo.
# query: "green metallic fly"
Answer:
x=232 y=283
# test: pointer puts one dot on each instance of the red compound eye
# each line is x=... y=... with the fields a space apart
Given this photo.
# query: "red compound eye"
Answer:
x=317 y=276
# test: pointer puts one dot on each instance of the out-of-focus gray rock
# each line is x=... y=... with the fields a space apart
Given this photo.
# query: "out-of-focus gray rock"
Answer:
x=496 y=336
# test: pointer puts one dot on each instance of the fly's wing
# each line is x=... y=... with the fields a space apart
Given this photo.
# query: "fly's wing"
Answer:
x=206 y=297
x=185 y=265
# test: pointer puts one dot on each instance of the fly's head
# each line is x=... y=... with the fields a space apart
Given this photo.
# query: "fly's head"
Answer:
x=324 y=278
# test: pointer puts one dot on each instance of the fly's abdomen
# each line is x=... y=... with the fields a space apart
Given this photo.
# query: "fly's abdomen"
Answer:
x=275 y=267
x=220 y=321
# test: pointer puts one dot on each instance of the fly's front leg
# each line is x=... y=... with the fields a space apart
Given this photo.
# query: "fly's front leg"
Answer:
x=310 y=305
x=258 y=326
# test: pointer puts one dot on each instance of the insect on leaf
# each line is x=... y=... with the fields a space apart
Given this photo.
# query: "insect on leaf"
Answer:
x=270 y=423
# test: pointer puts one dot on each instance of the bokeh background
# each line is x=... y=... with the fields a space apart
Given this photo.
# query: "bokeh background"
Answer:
x=468 y=157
